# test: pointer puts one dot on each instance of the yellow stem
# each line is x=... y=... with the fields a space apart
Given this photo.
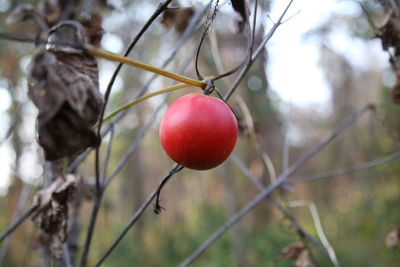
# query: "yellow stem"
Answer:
x=115 y=57
x=140 y=99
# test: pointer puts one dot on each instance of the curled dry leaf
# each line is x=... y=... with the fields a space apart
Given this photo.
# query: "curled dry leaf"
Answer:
x=299 y=253
x=63 y=84
x=178 y=17
x=393 y=238
x=51 y=208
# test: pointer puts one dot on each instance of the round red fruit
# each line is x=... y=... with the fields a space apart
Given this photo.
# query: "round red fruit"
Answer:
x=198 y=131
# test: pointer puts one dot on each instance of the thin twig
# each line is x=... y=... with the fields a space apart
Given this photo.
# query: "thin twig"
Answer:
x=279 y=182
x=344 y=171
x=185 y=36
x=250 y=45
x=67 y=255
x=108 y=153
x=14 y=225
x=137 y=215
x=395 y=7
x=16 y=37
x=98 y=197
x=369 y=18
x=253 y=32
x=122 y=162
x=28 y=249
x=158 y=12
x=141 y=134
x=137 y=141
x=91 y=226
x=157 y=206
x=299 y=229
x=134 y=145
x=203 y=37
x=13 y=124
x=257 y=53
x=22 y=200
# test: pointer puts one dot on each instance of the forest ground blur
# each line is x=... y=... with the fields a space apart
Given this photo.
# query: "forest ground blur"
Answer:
x=357 y=210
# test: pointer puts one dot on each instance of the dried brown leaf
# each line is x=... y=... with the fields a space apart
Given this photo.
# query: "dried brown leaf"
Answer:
x=177 y=17
x=292 y=251
x=63 y=84
x=299 y=253
x=51 y=210
x=393 y=238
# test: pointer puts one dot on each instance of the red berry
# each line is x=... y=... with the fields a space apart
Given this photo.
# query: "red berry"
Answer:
x=198 y=131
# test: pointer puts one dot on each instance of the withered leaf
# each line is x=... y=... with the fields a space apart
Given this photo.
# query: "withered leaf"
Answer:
x=292 y=251
x=178 y=17
x=299 y=253
x=51 y=210
x=63 y=84
x=393 y=238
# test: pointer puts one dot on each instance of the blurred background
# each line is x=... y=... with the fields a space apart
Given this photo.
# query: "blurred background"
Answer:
x=322 y=65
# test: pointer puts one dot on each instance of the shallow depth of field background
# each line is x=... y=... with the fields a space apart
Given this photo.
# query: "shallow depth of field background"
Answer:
x=322 y=65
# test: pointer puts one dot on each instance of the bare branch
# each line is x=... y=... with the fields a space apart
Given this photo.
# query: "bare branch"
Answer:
x=185 y=36
x=299 y=229
x=281 y=179
x=13 y=124
x=344 y=171
x=134 y=145
x=369 y=18
x=67 y=256
x=16 y=37
x=395 y=7
x=12 y=227
x=203 y=37
x=257 y=53
x=175 y=168
x=108 y=153
x=98 y=197
x=140 y=136
x=23 y=198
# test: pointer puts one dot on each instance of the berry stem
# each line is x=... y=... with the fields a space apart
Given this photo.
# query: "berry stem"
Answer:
x=140 y=99
x=115 y=57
